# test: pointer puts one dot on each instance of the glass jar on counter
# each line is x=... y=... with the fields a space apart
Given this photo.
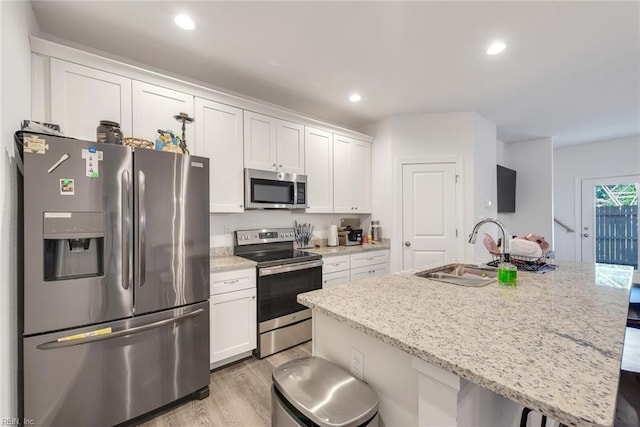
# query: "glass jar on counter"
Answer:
x=375 y=230
x=109 y=132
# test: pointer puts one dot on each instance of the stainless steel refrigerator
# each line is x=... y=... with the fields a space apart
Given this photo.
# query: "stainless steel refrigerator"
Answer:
x=114 y=289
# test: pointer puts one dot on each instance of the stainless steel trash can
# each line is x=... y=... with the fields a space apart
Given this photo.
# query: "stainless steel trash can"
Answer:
x=314 y=392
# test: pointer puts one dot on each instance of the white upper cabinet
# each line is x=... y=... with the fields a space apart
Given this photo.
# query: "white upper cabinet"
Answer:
x=290 y=147
x=361 y=175
x=82 y=96
x=272 y=144
x=219 y=136
x=351 y=175
x=154 y=108
x=259 y=141
x=319 y=170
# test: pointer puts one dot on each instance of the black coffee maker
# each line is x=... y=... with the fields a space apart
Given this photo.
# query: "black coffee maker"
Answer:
x=350 y=232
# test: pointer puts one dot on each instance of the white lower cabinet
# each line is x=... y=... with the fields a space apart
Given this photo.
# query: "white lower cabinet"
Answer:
x=369 y=264
x=351 y=268
x=335 y=271
x=232 y=317
x=369 y=272
x=335 y=279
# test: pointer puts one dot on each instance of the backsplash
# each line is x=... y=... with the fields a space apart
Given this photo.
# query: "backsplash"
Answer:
x=222 y=226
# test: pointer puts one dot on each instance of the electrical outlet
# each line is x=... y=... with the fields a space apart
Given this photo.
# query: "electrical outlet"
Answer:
x=228 y=229
x=357 y=363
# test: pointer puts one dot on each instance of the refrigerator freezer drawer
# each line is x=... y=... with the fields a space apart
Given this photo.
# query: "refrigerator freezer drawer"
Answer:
x=102 y=380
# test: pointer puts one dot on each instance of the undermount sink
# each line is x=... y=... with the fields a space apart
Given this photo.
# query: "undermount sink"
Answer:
x=461 y=275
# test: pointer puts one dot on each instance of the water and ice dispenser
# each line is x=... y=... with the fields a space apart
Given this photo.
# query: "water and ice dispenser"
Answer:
x=73 y=245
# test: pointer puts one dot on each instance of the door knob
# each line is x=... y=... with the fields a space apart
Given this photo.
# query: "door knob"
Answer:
x=585 y=235
x=407 y=243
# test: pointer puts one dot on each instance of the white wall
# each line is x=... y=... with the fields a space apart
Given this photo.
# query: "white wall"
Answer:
x=533 y=162
x=485 y=202
x=459 y=136
x=571 y=164
x=16 y=23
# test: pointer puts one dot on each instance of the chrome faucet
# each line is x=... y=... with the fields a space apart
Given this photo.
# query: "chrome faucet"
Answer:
x=505 y=242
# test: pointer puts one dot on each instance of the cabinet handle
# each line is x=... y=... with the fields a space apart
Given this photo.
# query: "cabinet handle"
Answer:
x=274 y=165
x=279 y=166
x=242 y=206
x=253 y=297
x=229 y=282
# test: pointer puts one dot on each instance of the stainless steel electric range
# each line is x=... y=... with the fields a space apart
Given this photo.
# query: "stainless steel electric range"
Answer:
x=283 y=273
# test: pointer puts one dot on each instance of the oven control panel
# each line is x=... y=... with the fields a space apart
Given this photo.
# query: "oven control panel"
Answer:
x=264 y=235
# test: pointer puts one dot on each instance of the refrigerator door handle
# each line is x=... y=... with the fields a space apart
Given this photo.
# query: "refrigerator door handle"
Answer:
x=126 y=231
x=142 y=230
x=125 y=332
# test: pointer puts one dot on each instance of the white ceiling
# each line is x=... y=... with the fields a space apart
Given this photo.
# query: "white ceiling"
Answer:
x=571 y=69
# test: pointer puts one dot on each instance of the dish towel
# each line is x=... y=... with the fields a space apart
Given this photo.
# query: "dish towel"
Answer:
x=526 y=248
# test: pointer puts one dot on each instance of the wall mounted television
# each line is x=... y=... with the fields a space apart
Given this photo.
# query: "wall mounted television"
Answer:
x=506 y=190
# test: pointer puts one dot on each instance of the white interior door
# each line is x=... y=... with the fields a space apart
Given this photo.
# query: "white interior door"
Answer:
x=590 y=228
x=428 y=213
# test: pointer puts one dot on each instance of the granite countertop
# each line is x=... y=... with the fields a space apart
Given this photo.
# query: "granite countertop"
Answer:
x=219 y=264
x=329 y=251
x=553 y=343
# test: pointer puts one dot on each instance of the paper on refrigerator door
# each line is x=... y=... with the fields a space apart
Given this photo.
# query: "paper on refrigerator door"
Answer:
x=92 y=159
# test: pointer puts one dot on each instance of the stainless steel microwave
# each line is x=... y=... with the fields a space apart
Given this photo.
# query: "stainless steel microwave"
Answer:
x=274 y=190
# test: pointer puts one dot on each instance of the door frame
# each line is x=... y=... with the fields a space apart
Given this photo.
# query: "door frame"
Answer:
x=459 y=198
x=578 y=209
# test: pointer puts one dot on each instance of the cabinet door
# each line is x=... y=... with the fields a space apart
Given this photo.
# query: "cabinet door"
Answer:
x=319 y=170
x=360 y=273
x=334 y=279
x=342 y=171
x=218 y=136
x=259 y=141
x=233 y=324
x=379 y=270
x=154 y=108
x=290 y=147
x=361 y=176
x=82 y=96
x=369 y=271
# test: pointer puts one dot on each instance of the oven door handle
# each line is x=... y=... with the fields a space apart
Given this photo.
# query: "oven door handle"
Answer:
x=268 y=271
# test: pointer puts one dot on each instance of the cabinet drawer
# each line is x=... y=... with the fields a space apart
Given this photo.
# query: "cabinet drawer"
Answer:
x=335 y=279
x=336 y=263
x=230 y=281
x=369 y=258
x=369 y=271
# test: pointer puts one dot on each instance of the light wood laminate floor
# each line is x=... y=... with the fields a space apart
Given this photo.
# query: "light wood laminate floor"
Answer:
x=240 y=395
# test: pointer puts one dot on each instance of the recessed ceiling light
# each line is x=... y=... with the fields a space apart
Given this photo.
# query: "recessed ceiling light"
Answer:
x=185 y=22
x=496 y=47
x=355 y=97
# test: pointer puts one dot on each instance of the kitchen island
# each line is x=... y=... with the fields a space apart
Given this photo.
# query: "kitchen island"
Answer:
x=441 y=354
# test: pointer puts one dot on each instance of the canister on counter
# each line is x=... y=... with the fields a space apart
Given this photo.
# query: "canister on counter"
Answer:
x=109 y=132
x=375 y=230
